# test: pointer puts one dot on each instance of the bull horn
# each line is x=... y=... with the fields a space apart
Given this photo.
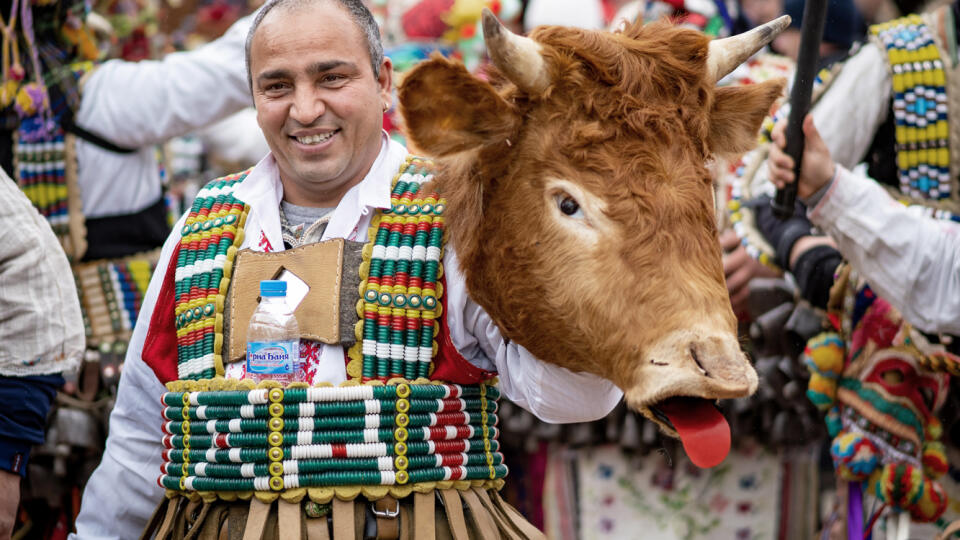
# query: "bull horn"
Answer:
x=516 y=56
x=726 y=54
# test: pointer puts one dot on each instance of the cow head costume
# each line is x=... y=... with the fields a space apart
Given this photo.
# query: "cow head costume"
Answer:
x=581 y=204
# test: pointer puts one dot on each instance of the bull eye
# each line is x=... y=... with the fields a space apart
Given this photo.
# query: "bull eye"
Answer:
x=569 y=206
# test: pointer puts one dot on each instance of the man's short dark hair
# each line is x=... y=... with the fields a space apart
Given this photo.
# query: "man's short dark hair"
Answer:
x=358 y=12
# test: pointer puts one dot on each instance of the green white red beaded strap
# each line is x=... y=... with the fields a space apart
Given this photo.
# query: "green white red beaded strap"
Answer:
x=401 y=272
x=210 y=237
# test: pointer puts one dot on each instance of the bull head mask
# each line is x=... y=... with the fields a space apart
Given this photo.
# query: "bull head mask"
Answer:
x=580 y=206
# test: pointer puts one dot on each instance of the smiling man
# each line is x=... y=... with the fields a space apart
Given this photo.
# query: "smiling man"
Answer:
x=320 y=84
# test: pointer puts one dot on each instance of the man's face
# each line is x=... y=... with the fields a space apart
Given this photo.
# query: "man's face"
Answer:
x=318 y=103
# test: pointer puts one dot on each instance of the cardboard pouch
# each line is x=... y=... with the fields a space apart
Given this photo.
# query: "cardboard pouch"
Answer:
x=320 y=265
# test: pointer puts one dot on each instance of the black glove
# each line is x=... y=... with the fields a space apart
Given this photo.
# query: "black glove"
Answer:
x=814 y=271
x=781 y=234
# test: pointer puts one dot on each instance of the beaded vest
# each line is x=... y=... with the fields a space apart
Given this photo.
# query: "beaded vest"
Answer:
x=389 y=429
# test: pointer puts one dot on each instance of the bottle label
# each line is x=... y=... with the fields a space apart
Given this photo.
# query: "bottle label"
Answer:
x=272 y=357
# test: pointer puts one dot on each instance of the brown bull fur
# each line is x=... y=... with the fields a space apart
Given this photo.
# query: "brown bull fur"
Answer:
x=625 y=128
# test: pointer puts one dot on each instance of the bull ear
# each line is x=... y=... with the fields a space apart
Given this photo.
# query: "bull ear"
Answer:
x=737 y=114
x=446 y=110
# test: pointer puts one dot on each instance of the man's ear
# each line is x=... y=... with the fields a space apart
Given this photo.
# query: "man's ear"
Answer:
x=446 y=110
x=737 y=114
x=385 y=80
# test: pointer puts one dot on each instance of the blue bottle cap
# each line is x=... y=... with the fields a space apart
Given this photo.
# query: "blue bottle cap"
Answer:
x=273 y=287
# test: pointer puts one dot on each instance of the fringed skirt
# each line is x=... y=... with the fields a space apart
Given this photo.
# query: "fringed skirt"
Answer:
x=444 y=514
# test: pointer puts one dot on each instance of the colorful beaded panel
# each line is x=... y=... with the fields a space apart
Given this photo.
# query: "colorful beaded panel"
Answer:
x=919 y=107
x=276 y=439
x=41 y=170
x=210 y=239
x=45 y=168
x=400 y=292
x=111 y=293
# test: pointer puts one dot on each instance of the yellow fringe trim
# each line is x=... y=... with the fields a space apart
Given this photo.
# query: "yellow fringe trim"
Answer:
x=323 y=495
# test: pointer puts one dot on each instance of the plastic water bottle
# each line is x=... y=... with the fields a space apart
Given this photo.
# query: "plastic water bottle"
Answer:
x=273 y=337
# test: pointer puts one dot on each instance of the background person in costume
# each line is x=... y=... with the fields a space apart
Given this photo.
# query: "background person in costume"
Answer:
x=319 y=102
x=40 y=338
x=862 y=116
x=918 y=276
x=871 y=114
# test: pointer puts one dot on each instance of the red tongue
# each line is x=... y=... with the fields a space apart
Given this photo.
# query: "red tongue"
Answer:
x=703 y=430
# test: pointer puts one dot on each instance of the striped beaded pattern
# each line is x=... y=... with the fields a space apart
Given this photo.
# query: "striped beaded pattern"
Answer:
x=44 y=167
x=210 y=238
x=41 y=172
x=919 y=107
x=365 y=435
x=401 y=292
x=111 y=294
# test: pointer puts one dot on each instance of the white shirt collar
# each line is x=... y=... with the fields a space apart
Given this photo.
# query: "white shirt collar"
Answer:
x=263 y=191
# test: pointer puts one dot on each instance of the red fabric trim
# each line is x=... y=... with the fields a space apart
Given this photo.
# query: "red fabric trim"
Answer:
x=160 y=347
x=450 y=365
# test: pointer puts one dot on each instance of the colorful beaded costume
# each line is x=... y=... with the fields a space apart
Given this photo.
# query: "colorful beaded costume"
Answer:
x=389 y=431
x=919 y=107
x=881 y=384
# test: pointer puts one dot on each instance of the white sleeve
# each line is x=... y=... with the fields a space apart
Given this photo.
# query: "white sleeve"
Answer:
x=552 y=393
x=910 y=259
x=854 y=106
x=136 y=104
x=123 y=492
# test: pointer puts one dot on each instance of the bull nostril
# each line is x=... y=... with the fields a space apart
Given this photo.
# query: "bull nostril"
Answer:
x=696 y=359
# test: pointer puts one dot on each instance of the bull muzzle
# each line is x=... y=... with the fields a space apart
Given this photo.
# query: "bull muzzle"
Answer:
x=680 y=378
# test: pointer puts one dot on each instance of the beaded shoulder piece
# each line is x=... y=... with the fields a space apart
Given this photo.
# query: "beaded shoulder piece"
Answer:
x=400 y=291
x=209 y=241
x=919 y=107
